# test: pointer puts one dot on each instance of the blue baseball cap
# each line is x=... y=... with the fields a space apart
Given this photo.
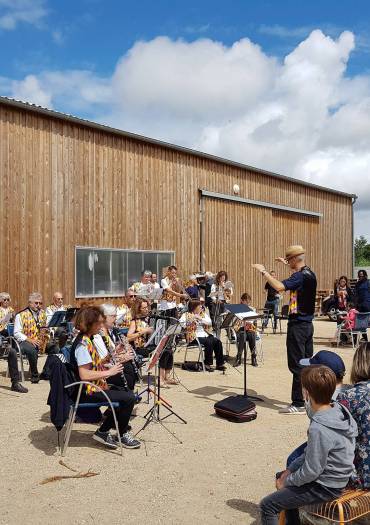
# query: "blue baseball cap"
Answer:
x=327 y=358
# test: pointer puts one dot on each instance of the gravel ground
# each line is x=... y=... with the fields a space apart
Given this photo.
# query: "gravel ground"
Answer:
x=217 y=475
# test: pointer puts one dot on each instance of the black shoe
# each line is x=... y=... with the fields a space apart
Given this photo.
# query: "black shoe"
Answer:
x=18 y=387
x=238 y=360
x=35 y=378
x=105 y=438
x=128 y=441
x=209 y=368
x=254 y=361
x=221 y=367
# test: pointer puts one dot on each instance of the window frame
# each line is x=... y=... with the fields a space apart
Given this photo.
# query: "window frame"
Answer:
x=172 y=253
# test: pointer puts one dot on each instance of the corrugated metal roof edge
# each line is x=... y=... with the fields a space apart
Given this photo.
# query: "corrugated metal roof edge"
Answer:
x=102 y=127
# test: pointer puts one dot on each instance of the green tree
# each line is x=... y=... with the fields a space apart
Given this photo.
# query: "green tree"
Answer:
x=362 y=251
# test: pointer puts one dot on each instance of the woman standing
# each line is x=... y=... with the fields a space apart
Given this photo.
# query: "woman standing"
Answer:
x=362 y=292
x=221 y=293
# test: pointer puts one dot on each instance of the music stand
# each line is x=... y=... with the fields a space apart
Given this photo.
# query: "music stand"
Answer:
x=153 y=415
x=244 y=312
x=58 y=319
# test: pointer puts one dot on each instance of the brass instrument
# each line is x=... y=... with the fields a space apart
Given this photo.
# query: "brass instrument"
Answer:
x=228 y=290
x=43 y=338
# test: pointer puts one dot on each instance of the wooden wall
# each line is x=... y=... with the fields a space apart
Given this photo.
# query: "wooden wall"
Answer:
x=64 y=184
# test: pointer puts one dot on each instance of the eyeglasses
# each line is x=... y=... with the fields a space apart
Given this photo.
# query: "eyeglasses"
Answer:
x=38 y=302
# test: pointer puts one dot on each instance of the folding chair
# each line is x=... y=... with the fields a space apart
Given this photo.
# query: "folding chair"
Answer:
x=74 y=407
x=8 y=343
x=268 y=315
x=283 y=315
x=361 y=325
x=196 y=344
x=259 y=348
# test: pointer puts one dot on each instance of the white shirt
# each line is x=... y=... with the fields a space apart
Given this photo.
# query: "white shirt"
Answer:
x=18 y=327
x=199 y=331
x=49 y=311
x=166 y=305
x=82 y=354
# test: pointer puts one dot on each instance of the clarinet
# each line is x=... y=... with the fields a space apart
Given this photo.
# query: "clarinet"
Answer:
x=113 y=356
x=128 y=347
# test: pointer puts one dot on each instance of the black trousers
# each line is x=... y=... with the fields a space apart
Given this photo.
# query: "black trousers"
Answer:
x=126 y=402
x=291 y=498
x=212 y=345
x=299 y=343
x=130 y=376
x=166 y=359
x=32 y=355
x=250 y=338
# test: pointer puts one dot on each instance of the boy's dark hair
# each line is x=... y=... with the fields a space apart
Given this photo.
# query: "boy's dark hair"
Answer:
x=320 y=382
x=246 y=297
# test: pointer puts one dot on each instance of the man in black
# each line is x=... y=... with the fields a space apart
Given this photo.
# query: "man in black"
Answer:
x=302 y=286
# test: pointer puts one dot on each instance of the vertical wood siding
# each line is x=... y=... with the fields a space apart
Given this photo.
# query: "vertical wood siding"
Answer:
x=64 y=184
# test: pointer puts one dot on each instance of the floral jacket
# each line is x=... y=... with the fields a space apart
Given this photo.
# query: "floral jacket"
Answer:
x=357 y=400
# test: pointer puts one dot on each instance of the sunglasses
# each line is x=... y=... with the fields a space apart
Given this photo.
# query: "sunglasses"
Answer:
x=38 y=302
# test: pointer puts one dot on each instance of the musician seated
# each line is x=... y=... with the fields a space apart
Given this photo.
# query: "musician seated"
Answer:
x=90 y=367
x=246 y=334
x=124 y=315
x=143 y=287
x=29 y=333
x=56 y=306
x=6 y=313
x=139 y=330
x=197 y=323
x=153 y=280
x=112 y=346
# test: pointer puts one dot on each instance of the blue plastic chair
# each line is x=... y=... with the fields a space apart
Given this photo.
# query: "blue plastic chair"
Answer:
x=73 y=410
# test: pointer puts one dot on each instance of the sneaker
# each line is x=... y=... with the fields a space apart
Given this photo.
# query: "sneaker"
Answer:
x=209 y=368
x=128 y=441
x=35 y=379
x=292 y=409
x=18 y=387
x=221 y=367
x=105 y=438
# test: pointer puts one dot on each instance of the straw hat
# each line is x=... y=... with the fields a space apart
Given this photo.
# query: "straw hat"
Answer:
x=294 y=250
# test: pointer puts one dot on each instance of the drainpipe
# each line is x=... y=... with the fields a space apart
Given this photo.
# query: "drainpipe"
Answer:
x=354 y=199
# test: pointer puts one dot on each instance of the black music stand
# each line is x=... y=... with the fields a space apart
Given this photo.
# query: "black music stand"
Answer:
x=153 y=415
x=58 y=319
x=246 y=313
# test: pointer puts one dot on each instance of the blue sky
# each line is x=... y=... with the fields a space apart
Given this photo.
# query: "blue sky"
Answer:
x=94 y=33
x=283 y=85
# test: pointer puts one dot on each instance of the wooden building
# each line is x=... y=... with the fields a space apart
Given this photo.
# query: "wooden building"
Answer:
x=84 y=208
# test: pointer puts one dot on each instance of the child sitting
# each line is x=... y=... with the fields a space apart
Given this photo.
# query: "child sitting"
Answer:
x=323 y=471
x=348 y=322
x=246 y=334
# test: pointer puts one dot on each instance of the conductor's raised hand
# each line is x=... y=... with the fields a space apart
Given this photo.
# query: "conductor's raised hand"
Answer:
x=259 y=267
x=281 y=259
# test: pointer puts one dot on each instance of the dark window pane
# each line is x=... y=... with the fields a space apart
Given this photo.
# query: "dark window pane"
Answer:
x=84 y=272
x=119 y=273
x=102 y=272
x=150 y=262
x=134 y=266
x=164 y=260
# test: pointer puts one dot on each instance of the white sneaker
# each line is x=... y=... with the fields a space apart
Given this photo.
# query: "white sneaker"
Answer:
x=292 y=410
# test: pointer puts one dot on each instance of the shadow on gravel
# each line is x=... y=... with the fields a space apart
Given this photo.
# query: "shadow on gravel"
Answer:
x=247 y=507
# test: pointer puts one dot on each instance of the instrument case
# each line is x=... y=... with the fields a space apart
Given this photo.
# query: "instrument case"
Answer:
x=238 y=409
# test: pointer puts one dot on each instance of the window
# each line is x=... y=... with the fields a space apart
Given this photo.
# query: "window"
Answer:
x=105 y=272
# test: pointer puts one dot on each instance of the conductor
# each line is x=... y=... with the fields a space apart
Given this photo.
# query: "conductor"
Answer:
x=299 y=341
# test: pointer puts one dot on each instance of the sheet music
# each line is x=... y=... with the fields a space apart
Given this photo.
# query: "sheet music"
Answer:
x=247 y=315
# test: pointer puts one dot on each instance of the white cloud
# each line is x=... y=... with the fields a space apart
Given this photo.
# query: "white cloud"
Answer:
x=301 y=116
x=13 y=12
